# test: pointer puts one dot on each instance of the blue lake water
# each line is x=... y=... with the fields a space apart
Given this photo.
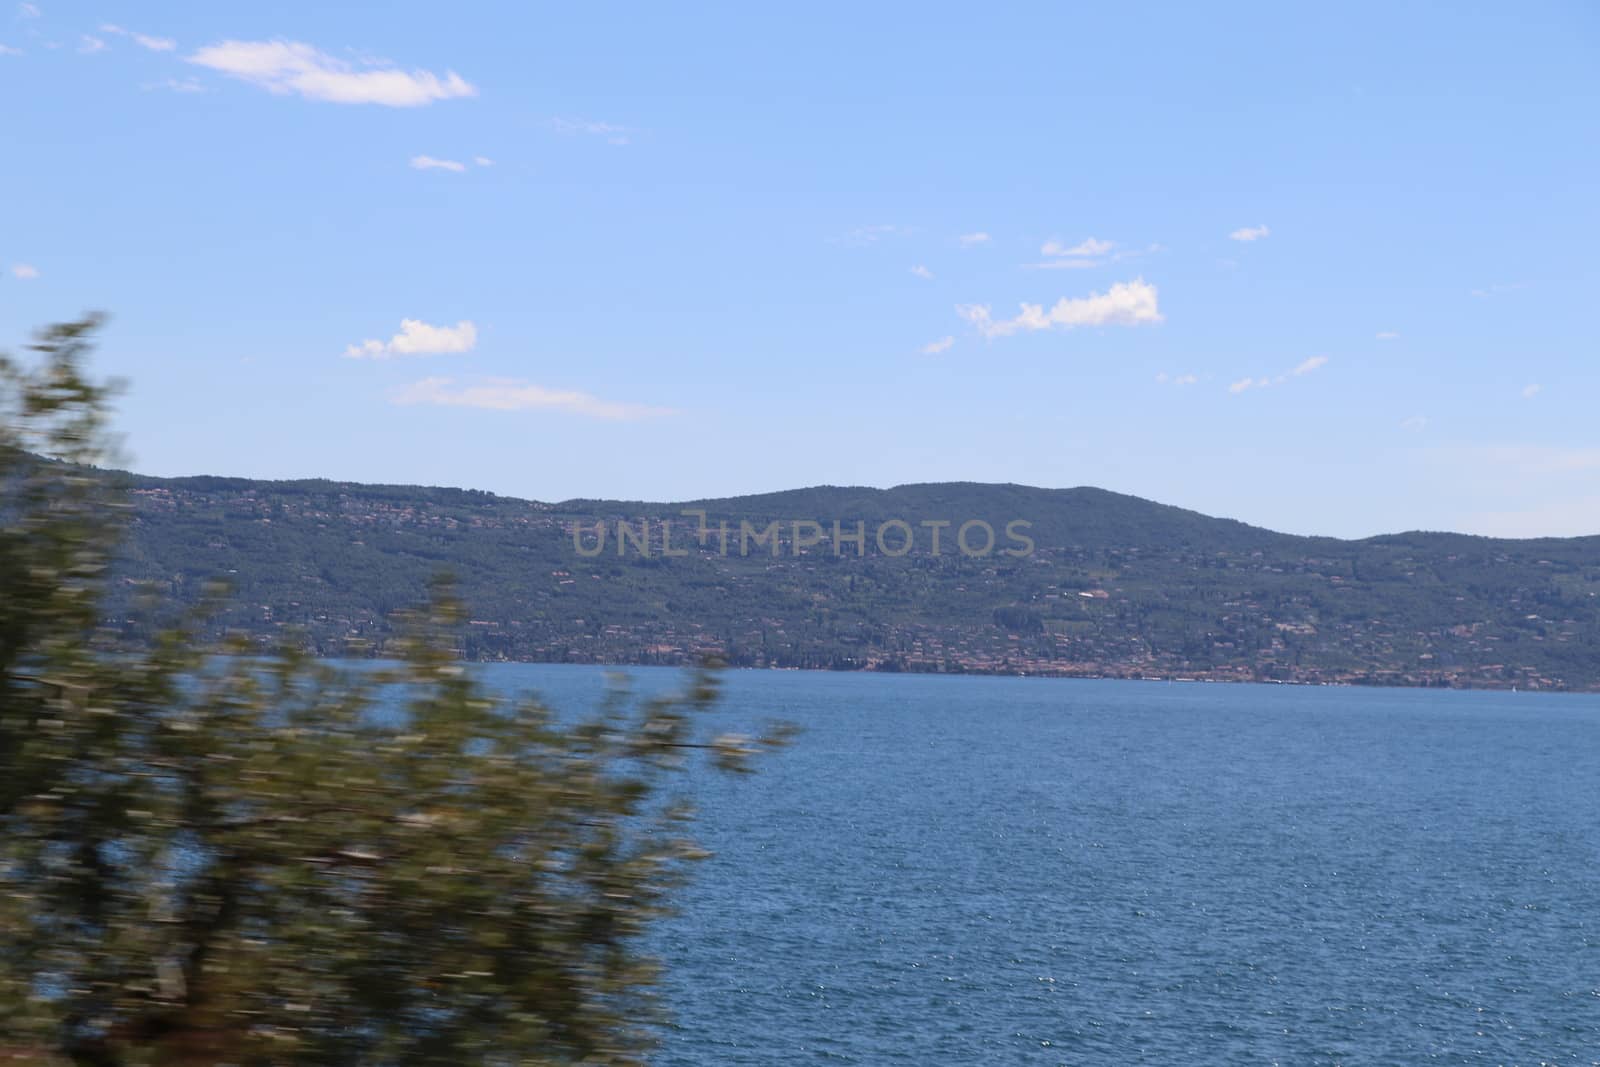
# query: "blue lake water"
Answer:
x=954 y=870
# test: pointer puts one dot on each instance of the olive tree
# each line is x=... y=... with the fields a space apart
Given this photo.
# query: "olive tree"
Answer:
x=225 y=855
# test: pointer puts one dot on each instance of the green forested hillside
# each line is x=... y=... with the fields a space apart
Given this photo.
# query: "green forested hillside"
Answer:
x=1113 y=585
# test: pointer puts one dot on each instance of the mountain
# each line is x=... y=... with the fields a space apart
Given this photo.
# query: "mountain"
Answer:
x=1079 y=582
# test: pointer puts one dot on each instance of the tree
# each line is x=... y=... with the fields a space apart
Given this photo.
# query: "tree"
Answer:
x=218 y=855
x=57 y=527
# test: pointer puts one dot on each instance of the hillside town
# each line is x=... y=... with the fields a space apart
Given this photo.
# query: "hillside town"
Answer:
x=1245 y=606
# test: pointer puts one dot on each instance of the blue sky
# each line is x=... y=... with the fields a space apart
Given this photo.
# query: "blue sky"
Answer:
x=1325 y=270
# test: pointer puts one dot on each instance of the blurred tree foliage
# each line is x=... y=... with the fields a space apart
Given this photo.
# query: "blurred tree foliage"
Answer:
x=236 y=858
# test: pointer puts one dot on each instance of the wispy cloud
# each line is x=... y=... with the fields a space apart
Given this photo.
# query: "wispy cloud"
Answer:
x=941 y=345
x=176 y=85
x=1064 y=264
x=1087 y=253
x=7 y=50
x=1080 y=256
x=1249 y=233
x=417 y=338
x=922 y=272
x=25 y=271
x=88 y=46
x=1089 y=246
x=1387 y=335
x=1531 y=391
x=483 y=161
x=968 y=240
x=1176 y=379
x=143 y=40
x=613 y=134
x=1124 y=304
x=867 y=235
x=1498 y=289
x=293 y=68
x=513 y=394
x=1300 y=370
x=1416 y=423
x=429 y=163
x=28 y=11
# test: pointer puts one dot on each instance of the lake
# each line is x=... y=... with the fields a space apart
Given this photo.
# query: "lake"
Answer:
x=961 y=870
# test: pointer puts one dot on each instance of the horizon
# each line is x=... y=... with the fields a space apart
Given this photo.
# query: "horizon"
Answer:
x=658 y=256
x=843 y=488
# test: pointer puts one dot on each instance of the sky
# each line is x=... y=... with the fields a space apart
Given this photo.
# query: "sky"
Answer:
x=1326 y=270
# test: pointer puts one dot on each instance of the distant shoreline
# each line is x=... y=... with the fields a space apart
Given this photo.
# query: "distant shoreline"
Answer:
x=1114 y=587
x=1044 y=676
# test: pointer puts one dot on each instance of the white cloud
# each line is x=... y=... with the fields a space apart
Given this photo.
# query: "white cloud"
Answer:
x=511 y=394
x=922 y=272
x=867 y=235
x=967 y=240
x=429 y=163
x=941 y=345
x=1089 y=246
x=1416 y=423
x=1079 y=257
x=143 y=40
x=1176 y=379
x=483 y=161
x=614 y=134
x=1499 y=288
x=88 y=46
x=1075 y=258
x=28 y=11
x=1531 y=391
x=186 y=85
x=1065 y=264
x=1250 y=233
x=1124 y=304
x=1090 y=252
x=1299 y=371
x=286 y=67
x=1387 y=335
x=417 y=338
x=7 y=50
x=25 y=271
